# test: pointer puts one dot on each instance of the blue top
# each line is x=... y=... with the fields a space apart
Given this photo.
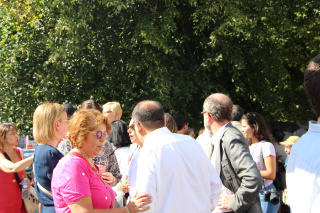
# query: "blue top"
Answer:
x=46 y=158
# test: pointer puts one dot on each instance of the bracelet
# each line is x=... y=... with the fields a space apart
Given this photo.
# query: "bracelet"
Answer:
x=127 y=209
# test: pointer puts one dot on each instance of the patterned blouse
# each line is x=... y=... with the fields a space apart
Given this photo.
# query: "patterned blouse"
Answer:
x=109 y=160
x=65 y=146
x=106 y=158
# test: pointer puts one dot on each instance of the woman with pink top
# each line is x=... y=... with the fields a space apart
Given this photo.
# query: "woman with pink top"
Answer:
x=77 y=185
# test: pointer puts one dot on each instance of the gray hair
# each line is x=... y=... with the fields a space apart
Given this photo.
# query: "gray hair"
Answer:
x=219 y=106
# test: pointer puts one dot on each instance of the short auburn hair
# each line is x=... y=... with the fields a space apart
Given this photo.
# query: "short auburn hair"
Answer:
x=4 y=129
x=83 y=122
x=44 y=119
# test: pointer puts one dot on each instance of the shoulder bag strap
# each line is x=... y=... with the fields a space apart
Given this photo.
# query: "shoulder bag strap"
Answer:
x=15 y=174
x=261 y=164
x=261 y=159
x=44 y=190
x=47 y=192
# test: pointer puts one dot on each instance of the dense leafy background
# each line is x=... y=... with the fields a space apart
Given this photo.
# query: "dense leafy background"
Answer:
x=176 y=52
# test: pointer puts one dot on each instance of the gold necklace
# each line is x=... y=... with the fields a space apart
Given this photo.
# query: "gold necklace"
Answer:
x=87 y=158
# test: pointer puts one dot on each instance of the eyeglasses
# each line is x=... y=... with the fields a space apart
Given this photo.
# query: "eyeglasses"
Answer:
x=132 y=126
x=67 y=121
x=99 y=133
x=204 y=112
x=14 y=133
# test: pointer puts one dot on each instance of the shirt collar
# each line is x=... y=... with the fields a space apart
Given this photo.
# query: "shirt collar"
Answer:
x=218 y=134
x=314 y=127
x=155 y=133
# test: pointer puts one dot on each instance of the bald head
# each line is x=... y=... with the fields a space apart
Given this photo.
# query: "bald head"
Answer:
x=149 y=114
x=219 y=106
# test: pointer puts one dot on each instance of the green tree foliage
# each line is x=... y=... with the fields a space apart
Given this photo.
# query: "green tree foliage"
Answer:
x=176 y=52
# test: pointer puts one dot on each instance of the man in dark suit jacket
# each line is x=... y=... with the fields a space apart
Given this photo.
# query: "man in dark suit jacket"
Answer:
x=229 y=153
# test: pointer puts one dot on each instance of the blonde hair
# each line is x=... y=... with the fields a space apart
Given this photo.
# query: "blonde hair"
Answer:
x=44 y=119
x=115 y=107
x=4 y=129
x=83 y=122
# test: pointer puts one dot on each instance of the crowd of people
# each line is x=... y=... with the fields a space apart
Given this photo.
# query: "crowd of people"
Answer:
x=89 y=160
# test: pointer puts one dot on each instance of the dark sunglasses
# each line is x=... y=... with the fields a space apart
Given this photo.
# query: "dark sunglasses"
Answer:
x=99 y=133
x=132 y=126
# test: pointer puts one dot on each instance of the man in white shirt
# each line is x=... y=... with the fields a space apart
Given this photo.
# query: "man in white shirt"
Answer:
x=303 y=170
x=172 y=168
x=205 y=138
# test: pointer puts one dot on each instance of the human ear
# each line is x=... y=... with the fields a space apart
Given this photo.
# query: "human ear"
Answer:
x=57 y=124
x=208 y=117
x=139 y=128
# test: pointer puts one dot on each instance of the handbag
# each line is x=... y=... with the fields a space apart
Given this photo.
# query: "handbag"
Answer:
x=31 y=204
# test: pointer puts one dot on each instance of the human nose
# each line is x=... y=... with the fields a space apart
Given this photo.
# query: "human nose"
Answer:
x=103 y=138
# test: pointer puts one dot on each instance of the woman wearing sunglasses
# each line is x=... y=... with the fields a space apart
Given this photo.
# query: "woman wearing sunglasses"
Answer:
x=77 y=185
x=125 y=185
x=256 y=130
x=107 y=160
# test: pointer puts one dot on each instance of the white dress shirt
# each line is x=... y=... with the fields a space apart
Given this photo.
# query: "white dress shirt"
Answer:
x=122 y=155
x=303 y=172
x=215 y=140
x=204 y=139
x=175 y=171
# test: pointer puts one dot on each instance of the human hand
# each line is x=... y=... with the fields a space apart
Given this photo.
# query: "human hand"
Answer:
x=125 y=187
x=138 y=203
x=224 y=202
x=29 y=183
x=108 y=177
x=102 y=168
